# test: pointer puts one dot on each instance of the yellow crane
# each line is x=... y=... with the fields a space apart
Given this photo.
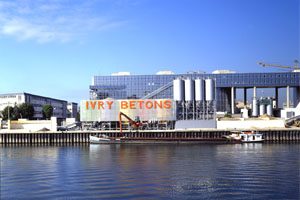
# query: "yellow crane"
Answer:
x=294 y=68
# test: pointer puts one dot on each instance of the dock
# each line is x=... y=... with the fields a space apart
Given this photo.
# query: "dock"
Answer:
x=148 y=136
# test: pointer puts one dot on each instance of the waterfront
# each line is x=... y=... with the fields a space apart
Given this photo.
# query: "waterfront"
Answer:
x=240 y=171
x=141 y=136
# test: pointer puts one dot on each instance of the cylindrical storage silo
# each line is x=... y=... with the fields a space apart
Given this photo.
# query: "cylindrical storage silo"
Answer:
x=199 y=89
x=254 y=107
x=269 y=110
x=209 y=90
x=189 y=87
x=178 y=90
x=270 y=107
x=262 y=109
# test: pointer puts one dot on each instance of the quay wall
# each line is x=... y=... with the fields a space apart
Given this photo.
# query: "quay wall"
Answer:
x=73 y=137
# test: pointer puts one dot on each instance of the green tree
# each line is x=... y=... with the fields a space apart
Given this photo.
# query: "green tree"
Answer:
x=26 y=110
x=7 y=110
x=47 y=111
x=15 y=113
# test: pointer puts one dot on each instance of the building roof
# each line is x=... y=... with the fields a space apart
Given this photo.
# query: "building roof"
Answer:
x=25 y=93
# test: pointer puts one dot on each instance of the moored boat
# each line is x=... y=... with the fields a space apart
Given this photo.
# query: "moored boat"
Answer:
x=245 y=136
x=103 y=139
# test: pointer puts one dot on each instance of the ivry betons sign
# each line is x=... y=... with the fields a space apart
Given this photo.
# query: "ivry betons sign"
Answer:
x=146 y=109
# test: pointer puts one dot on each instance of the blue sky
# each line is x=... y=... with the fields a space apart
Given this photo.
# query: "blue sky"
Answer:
x=54 y=47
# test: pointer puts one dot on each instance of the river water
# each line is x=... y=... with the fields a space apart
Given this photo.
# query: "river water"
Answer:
x=228 y=171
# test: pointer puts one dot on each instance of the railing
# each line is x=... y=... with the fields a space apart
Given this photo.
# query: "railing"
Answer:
x=159 y=90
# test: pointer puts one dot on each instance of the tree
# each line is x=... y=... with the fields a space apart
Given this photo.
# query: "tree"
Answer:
x=26 y=110
x=47 y=111
x=15 y=113
x=6 y=110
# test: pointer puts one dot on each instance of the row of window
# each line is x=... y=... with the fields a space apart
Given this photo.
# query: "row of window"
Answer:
x=251 y=79
x=8 y=96
x=140 y=85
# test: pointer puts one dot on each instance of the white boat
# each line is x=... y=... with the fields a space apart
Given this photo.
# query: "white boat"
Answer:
x=103 y=139
x=245 y=136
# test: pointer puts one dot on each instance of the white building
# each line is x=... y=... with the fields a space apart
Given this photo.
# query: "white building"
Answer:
x=72 y=110
x=59 y=106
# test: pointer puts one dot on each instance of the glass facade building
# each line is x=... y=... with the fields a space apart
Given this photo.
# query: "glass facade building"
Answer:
x=161 y=87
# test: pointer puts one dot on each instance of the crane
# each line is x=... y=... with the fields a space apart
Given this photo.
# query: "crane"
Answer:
x=294 y=68
x=134 y=123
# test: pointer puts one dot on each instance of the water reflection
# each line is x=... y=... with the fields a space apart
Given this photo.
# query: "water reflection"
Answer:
x=151 y=171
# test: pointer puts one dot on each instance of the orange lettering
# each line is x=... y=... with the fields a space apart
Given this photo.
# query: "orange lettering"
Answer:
x=93 y=104
x=158 y=104
x=132 y=104
x=149 y=104
x=87 y=105
x=109 y=103
x=141 y=102
x=124 y=104
x=167 y=104
x=100 y=104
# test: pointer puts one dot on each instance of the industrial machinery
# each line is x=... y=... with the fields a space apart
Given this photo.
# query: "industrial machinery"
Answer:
x=293 y=121
x=263 y=106
x=254 y=107
x=294 y=68
x=135 y=124
x=195 y=99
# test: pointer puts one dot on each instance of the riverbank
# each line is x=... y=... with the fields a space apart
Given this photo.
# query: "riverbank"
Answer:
x=142 y=136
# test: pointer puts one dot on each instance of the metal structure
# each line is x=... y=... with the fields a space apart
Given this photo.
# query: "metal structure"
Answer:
x=178 y=90
x=209 y=90
x=295 y=67
x=140 y=86
x=135 y=124
x=254 y=107
x=199 y=89
x=265 y=106
x=189 y=96
x=200 y=98
x=270 y=106
x=262 y=109
x=158 y=91
x=269 y=110
x=199 y=102
x=189 y=86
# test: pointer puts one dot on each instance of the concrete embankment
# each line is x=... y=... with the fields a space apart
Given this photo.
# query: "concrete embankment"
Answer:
x=203 y=135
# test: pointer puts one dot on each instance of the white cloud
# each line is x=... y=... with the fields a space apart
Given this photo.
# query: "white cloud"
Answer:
x=23 y=30
x=47 y=21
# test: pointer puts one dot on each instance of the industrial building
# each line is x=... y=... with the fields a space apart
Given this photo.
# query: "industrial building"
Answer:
x=193 y=98
x=12 y=99
x=160 y=86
